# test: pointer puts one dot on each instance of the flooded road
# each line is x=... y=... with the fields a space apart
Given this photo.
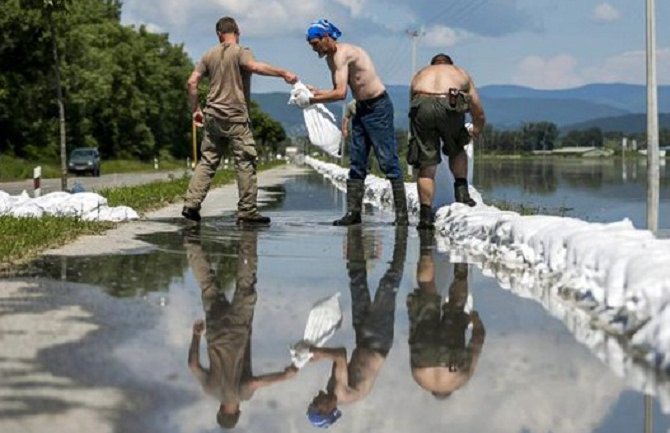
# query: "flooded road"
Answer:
x=591 y=189
x=111 y=343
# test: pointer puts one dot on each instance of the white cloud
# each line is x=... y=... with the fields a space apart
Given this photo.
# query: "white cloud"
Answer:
x=355 y=6
x=548 y=73
x=271 y=18
x=630 y=67
x=605 y=12
x=562 y=71
x=153 y=28
x=442 y=36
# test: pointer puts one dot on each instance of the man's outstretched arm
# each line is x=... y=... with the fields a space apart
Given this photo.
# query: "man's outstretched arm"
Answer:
x=339 y=357
x=339 y=91
x=194 y=352
x=270 y=378
x=268 y=70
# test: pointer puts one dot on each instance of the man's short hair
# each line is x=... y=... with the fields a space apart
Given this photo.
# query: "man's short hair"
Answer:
x=226 y=420
x=227 y=25
x=441 y=59
x=441 y=395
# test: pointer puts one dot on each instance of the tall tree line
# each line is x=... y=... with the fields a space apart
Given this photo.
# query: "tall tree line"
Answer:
x=534 y=136
x=123 y=87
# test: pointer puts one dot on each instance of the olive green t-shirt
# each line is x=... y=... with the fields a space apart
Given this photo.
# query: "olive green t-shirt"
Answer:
x=229 y=84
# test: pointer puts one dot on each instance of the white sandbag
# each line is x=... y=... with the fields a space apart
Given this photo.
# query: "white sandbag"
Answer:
x=320 y=122
x=82 y=203
x=85 y=205
x=444 y=180
x=51 y=203
x=5 y=203
x=114 y=214
x=27 y=210
x=324 y=319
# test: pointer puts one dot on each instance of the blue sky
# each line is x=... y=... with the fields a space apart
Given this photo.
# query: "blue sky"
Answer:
x=545 y=44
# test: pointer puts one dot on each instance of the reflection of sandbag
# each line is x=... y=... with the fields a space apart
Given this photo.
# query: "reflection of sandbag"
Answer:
x=324 y=319
x=321 y=124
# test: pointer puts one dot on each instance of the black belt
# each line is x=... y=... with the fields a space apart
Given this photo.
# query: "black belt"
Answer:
x=375 y=99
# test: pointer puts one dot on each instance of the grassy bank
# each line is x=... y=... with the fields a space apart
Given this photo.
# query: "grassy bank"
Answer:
x=24 y=238
x=12 y=169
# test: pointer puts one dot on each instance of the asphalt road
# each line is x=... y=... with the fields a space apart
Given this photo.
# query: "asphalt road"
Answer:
x=90 y=183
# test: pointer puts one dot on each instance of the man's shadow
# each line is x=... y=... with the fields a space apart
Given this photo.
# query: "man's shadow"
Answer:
x=440 y=359
x=227 y=327
x=373 y=321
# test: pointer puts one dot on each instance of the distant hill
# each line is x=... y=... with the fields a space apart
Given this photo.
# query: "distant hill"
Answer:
x=628 y=97
x=510 y=112
x=628 y=124
x=508 y=106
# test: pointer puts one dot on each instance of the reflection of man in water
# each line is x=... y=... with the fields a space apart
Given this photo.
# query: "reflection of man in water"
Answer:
x=440 y=360
x=373 y=323
x=228 y=323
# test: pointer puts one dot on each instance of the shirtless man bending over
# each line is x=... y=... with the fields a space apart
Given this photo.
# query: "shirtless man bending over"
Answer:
x=441 y=95
x=372 y=125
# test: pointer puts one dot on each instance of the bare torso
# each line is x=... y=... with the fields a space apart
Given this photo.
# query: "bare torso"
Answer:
x=438 y=79
x=362 y=76
x=363 y=370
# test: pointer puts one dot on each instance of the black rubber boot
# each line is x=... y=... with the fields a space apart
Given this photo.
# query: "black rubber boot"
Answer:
x=399 y=202
x=399 y=247
x=462 y=195
x=426 y=242
x=355 y=190
x=425 y=218
x=254 y=219
x=191 y=214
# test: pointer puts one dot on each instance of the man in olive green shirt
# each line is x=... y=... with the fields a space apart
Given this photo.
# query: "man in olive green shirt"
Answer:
x=226 y=120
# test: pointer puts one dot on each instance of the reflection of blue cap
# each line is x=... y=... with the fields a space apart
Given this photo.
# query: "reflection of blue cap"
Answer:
x=321 y=28
x=319 y=419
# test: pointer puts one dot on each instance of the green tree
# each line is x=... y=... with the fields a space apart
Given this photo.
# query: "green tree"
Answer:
x=539 y=135
x=268 y=132
x=47 y=9
x=123 y=88
x=591 y=137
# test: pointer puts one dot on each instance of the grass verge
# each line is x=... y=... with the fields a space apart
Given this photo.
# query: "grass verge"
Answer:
x=12 y=169
x=25 y=238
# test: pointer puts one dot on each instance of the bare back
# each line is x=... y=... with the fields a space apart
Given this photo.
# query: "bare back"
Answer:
x=438 y=79
x=440 y=379
x=353 y=64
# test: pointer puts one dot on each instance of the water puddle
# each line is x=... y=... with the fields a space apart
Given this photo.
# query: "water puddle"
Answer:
x=425 y=344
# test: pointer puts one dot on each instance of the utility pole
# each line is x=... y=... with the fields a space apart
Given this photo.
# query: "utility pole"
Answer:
x=652 y=122
x=652 y=155
x=414 y=34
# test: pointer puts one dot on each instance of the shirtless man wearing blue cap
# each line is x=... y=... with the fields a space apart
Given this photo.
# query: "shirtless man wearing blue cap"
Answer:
x=372 y=125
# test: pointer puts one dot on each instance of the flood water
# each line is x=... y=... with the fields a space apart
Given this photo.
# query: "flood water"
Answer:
x=406 y=359
x=592 y=189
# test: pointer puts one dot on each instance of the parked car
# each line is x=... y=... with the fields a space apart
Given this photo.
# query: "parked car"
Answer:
x=84 y=160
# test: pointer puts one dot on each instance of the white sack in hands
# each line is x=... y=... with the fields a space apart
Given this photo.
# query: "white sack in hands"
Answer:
x=324 y=319
x=320 y=122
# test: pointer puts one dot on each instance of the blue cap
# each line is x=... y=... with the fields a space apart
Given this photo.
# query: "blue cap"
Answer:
x=321 y=420
x=321 y=28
